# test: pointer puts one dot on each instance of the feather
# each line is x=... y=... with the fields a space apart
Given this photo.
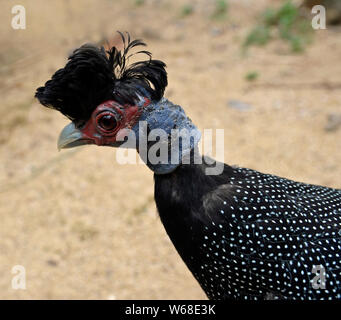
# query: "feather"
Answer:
x=93 y=75
x=251 y=236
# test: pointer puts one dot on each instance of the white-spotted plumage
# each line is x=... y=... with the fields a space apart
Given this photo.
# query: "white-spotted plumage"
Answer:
x=271 y=234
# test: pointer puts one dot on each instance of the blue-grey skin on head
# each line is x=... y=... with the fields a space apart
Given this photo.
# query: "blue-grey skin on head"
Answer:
x=172 y=120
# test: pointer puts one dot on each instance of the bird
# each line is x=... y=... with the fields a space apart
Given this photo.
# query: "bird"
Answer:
x=243 y=234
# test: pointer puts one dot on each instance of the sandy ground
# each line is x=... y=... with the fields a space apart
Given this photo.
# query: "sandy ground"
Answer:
x=85 y=227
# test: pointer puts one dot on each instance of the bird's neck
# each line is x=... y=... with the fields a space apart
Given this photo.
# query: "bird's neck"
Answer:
x=182 y=199
x=165 y=136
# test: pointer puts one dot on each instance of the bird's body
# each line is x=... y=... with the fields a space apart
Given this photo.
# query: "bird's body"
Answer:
x=243 y=234
x=253 y=236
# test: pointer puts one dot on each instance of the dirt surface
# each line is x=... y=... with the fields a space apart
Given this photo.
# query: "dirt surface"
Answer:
x=85 y=227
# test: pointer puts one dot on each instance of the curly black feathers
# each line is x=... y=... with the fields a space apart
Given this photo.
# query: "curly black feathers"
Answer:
x=93 y=75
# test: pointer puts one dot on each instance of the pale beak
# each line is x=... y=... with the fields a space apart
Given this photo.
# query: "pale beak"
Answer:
x=71 y=137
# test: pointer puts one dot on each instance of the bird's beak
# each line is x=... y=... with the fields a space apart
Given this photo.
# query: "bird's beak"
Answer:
x=71 y=137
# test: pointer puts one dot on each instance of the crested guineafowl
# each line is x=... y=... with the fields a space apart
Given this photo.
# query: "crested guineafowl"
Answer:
x=243 y=234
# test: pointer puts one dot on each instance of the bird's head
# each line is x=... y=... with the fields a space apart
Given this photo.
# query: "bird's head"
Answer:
x=104 y=97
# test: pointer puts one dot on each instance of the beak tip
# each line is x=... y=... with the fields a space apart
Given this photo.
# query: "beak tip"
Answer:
x=68 y=137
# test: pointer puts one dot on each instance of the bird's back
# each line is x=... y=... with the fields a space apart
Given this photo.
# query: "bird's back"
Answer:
x=249 y=235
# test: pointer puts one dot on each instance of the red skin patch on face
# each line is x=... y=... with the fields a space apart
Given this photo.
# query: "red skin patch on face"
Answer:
x=126 y=117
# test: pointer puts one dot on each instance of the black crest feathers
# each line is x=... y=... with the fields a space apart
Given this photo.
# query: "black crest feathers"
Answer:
x=93 y=75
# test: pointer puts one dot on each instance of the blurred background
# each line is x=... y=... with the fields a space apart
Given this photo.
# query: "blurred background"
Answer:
x=85 y=227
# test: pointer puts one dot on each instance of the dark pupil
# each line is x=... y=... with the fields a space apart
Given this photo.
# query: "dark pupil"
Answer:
x=108 y=122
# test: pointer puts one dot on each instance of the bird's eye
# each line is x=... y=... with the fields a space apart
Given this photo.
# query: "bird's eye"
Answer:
x=107 y=122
